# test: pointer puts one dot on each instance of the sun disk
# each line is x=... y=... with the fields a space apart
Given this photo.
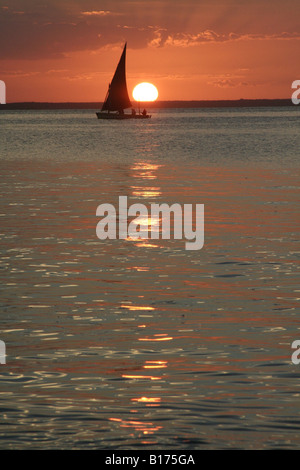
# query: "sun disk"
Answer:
x=145 y=92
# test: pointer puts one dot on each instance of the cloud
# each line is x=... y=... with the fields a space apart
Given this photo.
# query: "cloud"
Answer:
x=265 y=37
x=31 y=30
x=226 y=83
x=99 y=13
x=18 y=74
x=235 y=79
x=186 y=40
x=209 y=36
x=159 y=36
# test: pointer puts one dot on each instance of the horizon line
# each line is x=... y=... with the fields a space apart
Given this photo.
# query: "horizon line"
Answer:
x=241 y=102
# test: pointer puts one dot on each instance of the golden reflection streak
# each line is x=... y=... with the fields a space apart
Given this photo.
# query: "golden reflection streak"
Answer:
x=146 y=225
x=145 y=244
x=154 y=367
x=155 y=364
x=147 y=400
x=150 y=377
x=139 y=268
x=145 y=166
x=141 y=242
x=155 y=339
x=146 y=428
x=148 y=191
x=146 y=175
x=135 y=307
x=145 y=170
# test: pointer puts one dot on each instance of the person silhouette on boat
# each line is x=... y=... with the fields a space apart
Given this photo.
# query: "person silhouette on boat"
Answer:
x=121 y=112
x=144 y=113
x=133 y=112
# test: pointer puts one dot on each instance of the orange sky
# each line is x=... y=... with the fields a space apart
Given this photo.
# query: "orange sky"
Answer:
x=190 y=49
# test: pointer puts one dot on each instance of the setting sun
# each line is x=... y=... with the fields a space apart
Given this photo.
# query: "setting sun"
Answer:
x=145 y=92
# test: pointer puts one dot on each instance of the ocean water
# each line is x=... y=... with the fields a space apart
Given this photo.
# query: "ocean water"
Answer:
x=142 y=344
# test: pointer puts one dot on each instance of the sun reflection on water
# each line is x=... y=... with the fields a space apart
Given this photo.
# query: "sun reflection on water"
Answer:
x=158 y=337
x=144 y=427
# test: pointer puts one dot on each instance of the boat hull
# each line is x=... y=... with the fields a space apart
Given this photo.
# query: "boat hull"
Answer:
x=118 y=117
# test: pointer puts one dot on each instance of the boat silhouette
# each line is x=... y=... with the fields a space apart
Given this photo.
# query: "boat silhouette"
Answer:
x=117 y=98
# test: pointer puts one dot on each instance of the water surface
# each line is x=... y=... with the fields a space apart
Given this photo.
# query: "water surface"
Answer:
x=126 y=344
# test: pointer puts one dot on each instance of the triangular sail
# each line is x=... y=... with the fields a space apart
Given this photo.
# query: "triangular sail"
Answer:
x=117 y=96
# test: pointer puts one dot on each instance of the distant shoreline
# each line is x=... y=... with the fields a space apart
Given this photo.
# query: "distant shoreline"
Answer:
x=158 y=104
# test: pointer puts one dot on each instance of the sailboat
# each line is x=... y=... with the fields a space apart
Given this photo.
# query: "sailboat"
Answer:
x=117 y=98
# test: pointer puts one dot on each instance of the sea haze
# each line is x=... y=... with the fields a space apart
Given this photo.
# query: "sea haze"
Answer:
x=140 y=344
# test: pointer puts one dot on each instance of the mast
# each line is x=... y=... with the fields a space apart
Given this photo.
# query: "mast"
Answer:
x=117 y=96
